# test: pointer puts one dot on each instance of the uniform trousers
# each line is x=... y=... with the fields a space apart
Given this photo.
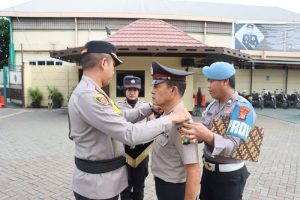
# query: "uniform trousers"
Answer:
x=223 y=185
x=169 y=191
x=136 y=181
x=79 y=197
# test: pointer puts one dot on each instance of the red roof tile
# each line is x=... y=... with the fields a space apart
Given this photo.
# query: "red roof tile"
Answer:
x=152 y=32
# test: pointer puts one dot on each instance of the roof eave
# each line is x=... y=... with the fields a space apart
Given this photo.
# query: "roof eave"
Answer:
x=73 y=54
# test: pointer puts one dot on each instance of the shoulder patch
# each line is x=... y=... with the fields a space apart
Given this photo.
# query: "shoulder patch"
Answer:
x=100 y=98
x=241 y=121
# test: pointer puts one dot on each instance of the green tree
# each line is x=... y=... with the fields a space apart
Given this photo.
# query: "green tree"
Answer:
x=4 y=42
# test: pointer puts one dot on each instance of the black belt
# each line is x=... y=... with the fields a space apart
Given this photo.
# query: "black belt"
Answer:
x=100 y=166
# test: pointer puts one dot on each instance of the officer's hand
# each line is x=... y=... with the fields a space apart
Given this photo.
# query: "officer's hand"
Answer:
x=197 y=132
x=180 y=116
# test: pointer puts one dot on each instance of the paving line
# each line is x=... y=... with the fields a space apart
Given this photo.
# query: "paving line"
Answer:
x=14 y=114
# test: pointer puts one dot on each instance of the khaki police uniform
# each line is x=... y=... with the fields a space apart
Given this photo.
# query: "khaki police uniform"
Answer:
x=169 y=156
x=99 y=129
x=223 y=178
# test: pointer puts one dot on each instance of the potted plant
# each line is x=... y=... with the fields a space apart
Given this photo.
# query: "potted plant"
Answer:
x=56 y=97
x=36 y=97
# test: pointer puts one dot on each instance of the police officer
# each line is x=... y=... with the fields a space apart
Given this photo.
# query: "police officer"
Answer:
x=137 y=156
x=175 y=166
x=99 y=128
x=223 y=178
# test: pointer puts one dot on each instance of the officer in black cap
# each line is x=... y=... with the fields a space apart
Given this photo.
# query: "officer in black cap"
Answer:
x=175 y=165
x=100 y=129
x=137 y=156
x=101 y=47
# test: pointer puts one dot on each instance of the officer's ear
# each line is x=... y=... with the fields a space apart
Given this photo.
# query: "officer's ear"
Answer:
x=102 y=63
x=226 y=82
x=174 y=90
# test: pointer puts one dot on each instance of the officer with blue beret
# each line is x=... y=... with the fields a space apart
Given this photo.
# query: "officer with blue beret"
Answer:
x=175 y=165
x=223 y=177
x=100 y=129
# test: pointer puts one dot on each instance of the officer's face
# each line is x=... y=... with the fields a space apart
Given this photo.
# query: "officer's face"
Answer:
x=216 y=88
x=132 y=93
x=161 y=94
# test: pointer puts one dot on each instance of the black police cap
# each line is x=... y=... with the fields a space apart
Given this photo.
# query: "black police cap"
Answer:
x=131 y=81
x=101 y=47
x=162 y=73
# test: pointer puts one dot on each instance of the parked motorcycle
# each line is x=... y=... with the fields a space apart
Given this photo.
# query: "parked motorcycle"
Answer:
x=294 y=99
x=246 y=96
x=257 y=100
x=281 y=99
x=269 y=99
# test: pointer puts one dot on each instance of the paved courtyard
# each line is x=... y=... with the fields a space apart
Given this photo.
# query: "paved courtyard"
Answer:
x=36 y=156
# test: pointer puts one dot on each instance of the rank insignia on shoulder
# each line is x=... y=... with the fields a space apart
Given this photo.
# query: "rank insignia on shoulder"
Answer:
x=100 y=98
x=227 y=112
x=243 y=112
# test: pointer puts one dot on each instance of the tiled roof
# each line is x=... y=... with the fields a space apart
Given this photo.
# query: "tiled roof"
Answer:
x=152 y=32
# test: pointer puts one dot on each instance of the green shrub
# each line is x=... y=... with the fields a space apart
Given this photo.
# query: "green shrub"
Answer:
x=55 y=94
x=35 y=94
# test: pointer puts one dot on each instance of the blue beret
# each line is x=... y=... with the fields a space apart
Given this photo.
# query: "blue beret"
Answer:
x=219 y=71
x=130 y=81
x=101 y=47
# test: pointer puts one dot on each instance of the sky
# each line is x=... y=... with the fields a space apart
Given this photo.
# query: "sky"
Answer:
x=286 y=4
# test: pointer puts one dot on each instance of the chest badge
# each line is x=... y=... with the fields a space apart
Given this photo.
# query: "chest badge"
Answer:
x=100 y=98
x=243 y=112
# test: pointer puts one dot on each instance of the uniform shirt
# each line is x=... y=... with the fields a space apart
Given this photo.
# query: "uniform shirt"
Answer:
x=169 y=155
x=99 y=131
x=124 y=105
x=137 y=153
x=224 y=146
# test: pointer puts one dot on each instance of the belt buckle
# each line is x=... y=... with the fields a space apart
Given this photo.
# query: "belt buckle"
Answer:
x=209 y=166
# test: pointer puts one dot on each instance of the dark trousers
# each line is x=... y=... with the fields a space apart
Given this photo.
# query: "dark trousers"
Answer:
x=169 y=191
x=79 y=197
x=136 y=181
x=223 y=185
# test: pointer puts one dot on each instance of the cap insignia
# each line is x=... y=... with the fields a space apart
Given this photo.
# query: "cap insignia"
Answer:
x=83 y=51
x=132 y=81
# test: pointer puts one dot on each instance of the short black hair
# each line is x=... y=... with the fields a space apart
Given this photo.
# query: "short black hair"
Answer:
x=179 y=84
x=90 y=60
x=232 y=81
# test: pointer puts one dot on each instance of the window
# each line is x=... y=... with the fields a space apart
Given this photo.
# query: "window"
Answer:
x=41 y=62
x=58 y=63
x=32 y=63
x=122 y=74
x=50 y=62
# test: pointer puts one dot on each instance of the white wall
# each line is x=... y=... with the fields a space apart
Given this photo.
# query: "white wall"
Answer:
x=64 y=78
x=293 y=80
x=41 y=40
x=269 y=79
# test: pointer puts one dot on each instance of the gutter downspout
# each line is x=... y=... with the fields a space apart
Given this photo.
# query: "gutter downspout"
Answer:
x=12 y=54
x=251 y=77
